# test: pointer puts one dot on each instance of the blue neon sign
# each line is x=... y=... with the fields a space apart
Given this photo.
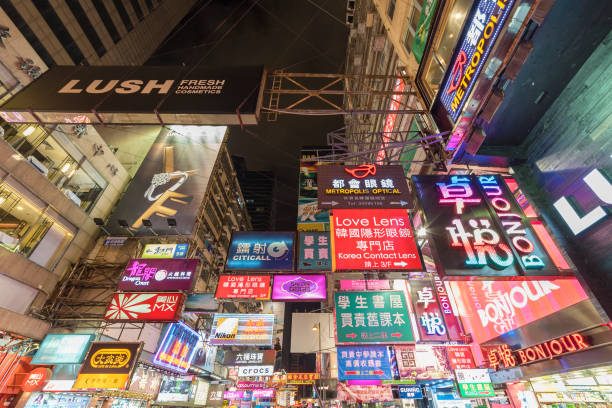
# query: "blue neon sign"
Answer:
x=178 y=348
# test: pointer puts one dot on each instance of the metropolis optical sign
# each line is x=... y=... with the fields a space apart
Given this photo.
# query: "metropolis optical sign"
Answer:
x=364 y=186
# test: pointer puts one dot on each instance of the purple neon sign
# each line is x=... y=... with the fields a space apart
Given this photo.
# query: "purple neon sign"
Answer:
x=299 y=287
x=158 y=274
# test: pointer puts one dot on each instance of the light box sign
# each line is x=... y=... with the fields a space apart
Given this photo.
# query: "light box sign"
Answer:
x=372 y=317
x=305 y=288
x=489 y=309
x=249 y=357
x=242 y=330
x=410 y=391
x=158 y=274
x=261 y=251
x=364 y=363
x=302 y=378
x=364 y=393
x=250 y=385
x=460 y=357
x=423 y=362
x=62 y=349
x=479 y=229
x=373 y=239
x=362 y=284
x=175 y=389
x=165 y=251
x=429 y=317
x=256 y=371
x=474 y=383
x=177 y=348
x=108 y=365
x=365 y=186
x=151 y=307
x=265 y=393
x=314 y=251
x=482 y=28
x=243 y=287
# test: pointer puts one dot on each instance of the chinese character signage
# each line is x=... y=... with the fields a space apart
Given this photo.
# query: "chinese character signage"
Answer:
x=268 y=251
x=492 y=308
x=250 y=385
x=363 y=363
x=474 y=383
x=372 y=317
x=165 y=251
x=364 y=393
x=364 y=186
x=430 y=321
x=265 y=393
x=460 y=357
x=177 y=348
x=249 y=357
x=108 y=365
x=255 y=371
x=62 y=349
x=152 y=307
x=410 y=391
x=361 y=284
x=243 y=287
x=146 y=380
x=423 y=362
x=215 y=395
x=373 y=239
x=314 y=251
x=479 y=229
x=233 y=395
x=158 y=274
x=242 y=330
x=305 y=288
x=302 y=378
x=482 y=27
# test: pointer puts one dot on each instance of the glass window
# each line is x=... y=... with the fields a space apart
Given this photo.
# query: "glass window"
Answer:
x=107 y=20
x=86 y=26
x=123 y=14
x=74 y=176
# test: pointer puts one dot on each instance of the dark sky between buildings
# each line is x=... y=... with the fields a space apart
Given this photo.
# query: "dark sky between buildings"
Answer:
x=294 y=35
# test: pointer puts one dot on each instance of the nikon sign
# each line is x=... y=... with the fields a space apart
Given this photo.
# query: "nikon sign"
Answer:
x=140 y=95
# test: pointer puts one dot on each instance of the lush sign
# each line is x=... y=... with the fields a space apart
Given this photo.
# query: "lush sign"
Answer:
x=243 y=287
x=314 y=251
x=372 y=317
x=155 y=307
x=158 y=274
x=108 y=365
x=373 y=239
x=363 y=363
x=483 y=26
x=165 y=251
x=299 y=287
x=261 y=251
x=177 y=348
x=242 y=329
x=365 y=186
x=62 y=349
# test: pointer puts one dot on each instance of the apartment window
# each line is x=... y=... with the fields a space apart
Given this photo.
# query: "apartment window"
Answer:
x=411 y=27
x=61 y=32
x=22 y=26
x=88 y=29
x=107 y=20
x=123 y=14
x=391 y=9
x=47 y=152
x=137 y=9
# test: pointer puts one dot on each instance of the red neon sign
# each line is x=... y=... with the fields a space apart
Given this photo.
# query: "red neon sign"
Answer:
x=390 y=120
x=362 y=171
x=156 y=307
x=243 y=287
x=35 y=379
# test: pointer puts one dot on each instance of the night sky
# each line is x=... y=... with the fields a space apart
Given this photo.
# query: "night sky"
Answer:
x=294 y=35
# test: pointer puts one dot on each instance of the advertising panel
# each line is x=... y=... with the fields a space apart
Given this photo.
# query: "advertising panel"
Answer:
x=422 y=30
x=255 y=371
x=233 y=395
x=175 y=389
x=158 y=274
x=460 y=357
x=410 y=391
x=201 y=303
x=63 y=377
x=361 y=284
x=215 y=395
x=394 y=104
x=243 y=287
x=177 y=348
x=372 y=317
x=479 y=36
x=489 y=309
x=205 y=357
x=249 y=357
x=201 y=392
x=365 y=186
x=35 y=379
x=62 y=349
x=151 y=307
x=250 y=385
x=302 y=378
x=146 y=380
x=450 y=318
x=305 y=288
x=364 y=393
x=108 y=365
x=170 y=182
x=314 y=251
x=423 y=362
x=268 y=251
x=242 y=330
x=165 y=251
x=363 y=363
x=310 y=217
x=474 y=383
x=479 y=229
x=430 y=321
x=373 y=239
x=55 y=400
x=265 y=393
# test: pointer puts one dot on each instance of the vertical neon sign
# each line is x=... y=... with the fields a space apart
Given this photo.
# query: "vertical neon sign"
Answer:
x=391 y=117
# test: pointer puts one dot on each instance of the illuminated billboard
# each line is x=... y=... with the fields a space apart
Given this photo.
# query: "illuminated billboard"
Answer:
x=62 y=349
x=364 y=363
x=242 y=330
x=423 y=362
x=151 y=307
x=158 y=274
x=489 y=309
x=478 y=228
x=243 y=287
x=165 y=251
x=108 y=365
x=314 y=251
x=373 y=239
x=267 y=251
x=305 y=288
x=177 y=348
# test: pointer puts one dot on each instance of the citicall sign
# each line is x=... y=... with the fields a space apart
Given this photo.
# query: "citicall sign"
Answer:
x=489 y=309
